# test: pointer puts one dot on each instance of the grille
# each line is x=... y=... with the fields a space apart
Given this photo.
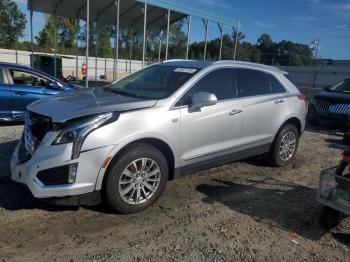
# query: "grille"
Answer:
x=340 y=109
x=35 y=128
x=23 y=154
x=39 y=125
x=334 y=191
x=322 y=106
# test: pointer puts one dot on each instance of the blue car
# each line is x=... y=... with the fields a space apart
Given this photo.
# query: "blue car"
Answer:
x=21 y=85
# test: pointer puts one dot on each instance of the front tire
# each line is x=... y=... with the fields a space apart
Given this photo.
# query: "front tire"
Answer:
x=329 y=218
x=285 y=146
x=137 y=179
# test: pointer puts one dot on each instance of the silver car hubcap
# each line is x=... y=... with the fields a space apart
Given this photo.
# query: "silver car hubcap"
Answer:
x=139 y=181
x=287 y=146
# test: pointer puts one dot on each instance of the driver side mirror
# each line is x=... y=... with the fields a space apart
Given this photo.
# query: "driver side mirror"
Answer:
x=326 y=88
x=202 y=99
x=54 y=86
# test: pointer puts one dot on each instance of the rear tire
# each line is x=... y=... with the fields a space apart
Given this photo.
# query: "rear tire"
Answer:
x=329 y=218
x=137 y=179
x=346 y=139
x=285 y=146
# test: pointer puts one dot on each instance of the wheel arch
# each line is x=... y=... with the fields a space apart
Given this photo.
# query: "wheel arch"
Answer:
x=294 y=121
x=160 y=144
x=290 y=120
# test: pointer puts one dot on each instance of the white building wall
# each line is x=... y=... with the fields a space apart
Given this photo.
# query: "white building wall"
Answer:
x=104 y=65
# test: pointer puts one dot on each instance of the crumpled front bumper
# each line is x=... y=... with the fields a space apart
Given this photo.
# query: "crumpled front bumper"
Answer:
x=48 y=156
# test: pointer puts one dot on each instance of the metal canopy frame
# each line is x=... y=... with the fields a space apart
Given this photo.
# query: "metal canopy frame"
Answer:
x=137 y=15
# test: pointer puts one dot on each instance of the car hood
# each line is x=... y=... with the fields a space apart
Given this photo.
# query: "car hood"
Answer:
x=63 y=107
x=333 y=97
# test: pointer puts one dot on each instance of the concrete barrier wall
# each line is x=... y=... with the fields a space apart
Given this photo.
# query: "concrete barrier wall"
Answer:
x=310 y=77
x=317 y=77
x=104 y=65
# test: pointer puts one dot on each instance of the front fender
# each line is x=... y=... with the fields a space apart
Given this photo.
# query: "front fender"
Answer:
x=131 y=139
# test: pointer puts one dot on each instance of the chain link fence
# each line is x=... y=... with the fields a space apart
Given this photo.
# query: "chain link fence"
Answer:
x=99 y=68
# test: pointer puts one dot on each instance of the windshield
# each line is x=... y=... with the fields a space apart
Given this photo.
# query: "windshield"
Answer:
x=154 y=82
x=343 y=86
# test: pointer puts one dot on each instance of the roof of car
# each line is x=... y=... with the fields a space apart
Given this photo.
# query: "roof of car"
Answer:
x=188 y=63
x=204 y=64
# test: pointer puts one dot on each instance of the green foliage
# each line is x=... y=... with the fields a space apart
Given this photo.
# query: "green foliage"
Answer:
x=284 y=53
x=266 y=51
x=12 y=23
x=67 y=30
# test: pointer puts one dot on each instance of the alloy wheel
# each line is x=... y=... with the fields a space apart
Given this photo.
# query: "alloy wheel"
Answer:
x=287 y=146
x=139 y=181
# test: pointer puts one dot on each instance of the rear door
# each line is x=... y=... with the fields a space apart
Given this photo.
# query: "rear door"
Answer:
x=26 y=88
x=264 y=105
x=5 y=96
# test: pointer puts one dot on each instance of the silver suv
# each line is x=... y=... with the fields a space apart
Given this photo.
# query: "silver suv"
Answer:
x=123 y=142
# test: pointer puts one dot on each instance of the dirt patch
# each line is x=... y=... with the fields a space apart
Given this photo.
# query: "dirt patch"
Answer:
x=242 y=211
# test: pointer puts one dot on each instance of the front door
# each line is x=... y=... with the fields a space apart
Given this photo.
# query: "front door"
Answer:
x=5 y=97
x=215 y=130
x=26 y=88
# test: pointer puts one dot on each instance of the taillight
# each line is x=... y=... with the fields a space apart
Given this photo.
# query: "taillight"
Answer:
x=304 y=98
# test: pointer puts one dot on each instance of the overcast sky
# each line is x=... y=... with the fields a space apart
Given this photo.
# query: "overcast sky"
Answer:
x=296 y=20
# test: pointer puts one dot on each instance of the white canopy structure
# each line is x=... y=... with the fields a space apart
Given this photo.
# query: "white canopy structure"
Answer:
x=139 y=15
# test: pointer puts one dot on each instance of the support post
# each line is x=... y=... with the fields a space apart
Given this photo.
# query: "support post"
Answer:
x=130 y=52
x=55 y=43
x=113 y=69
x=236 y=42
x=189 y=20
x=31 y=36
x=167 y=35
x=105 y=68
x=116 y=41
x=160 y=45
x=96 y=49
x=205 y=22
x=144 y=35
x=87 y=42
x=16 y=51
x=221 y=28
x=77 y=50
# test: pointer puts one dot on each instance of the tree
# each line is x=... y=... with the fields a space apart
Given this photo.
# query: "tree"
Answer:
x=46 y=36
x=67 y=31
x=12 y=23
x=104 y=34
x=249 y=52
x=267 y=48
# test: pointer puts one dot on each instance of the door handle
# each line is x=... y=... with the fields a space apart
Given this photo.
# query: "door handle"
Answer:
x=21 y=93
x=279 y=101
x=235 y=112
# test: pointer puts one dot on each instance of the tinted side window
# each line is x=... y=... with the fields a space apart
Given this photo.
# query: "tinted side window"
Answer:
x=275 y=85
x=23 y=78
x=2 y=80
x=252 y=83
x=221 y=82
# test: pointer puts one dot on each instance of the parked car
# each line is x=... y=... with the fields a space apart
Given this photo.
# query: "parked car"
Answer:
x=332 y=106
x=21 y=85
x=125 y=141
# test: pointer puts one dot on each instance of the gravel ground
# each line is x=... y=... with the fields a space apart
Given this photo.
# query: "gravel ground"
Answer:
x=242 y=211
